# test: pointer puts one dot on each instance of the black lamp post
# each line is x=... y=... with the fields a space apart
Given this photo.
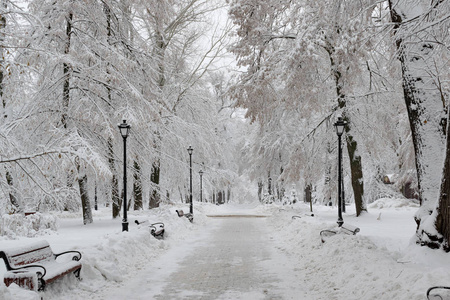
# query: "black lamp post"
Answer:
x=190 y=150
x=124 y=131
x=270 y=186
x=201 y=191
x=340 y=125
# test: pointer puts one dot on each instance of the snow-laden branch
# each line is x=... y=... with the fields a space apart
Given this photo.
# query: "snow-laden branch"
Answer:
x=35 y=155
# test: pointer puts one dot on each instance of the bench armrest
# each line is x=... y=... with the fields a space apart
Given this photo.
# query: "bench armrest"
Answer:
x=161 y=224
x=32 y=266
x=5 y=259
x=11 y=268
x=327 y=232
x=349 y=229
x=436 y=287
x=76 y=257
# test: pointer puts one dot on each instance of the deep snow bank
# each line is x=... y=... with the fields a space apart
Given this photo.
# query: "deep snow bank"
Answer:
x=363 y=266
x=109 y=255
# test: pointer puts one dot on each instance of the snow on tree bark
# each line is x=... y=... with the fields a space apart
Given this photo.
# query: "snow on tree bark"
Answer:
x=115 y=199
x=155 y=190
x=85 y=201
x=357 y=178
x=82 y=177
x=137 y=186
x=426 y=108
x=3 y=67
x=443 y=210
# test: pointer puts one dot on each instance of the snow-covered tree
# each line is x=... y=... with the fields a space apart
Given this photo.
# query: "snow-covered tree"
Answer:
x=308 y=61
x=421 y=36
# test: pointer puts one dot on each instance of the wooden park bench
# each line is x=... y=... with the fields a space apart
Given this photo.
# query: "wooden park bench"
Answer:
x=188 y=215
x=33 y=266
x=156 y=229
x=344 y=229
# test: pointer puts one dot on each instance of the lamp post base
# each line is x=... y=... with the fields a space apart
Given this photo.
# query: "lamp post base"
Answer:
x=125 y=226
x=340 y=222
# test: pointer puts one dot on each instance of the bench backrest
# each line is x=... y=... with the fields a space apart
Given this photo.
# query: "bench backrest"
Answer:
x=27 y=254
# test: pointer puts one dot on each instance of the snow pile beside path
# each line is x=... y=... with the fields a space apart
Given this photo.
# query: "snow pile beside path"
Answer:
x=354 y=267
x=36 y=224
x=393 y=203
x=109 y=255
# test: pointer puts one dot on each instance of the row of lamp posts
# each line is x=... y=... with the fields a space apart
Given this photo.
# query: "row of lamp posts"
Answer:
x=124 y=131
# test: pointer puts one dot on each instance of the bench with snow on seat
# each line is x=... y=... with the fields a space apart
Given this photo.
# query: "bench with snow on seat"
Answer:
x=188 y=215
x=156 y=229
x=344 y=229
x=34 y=265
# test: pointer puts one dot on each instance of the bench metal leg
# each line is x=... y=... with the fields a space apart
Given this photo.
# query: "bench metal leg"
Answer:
x=77 y=274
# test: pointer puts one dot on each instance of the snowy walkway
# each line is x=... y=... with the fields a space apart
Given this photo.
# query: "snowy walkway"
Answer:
x=235 y=259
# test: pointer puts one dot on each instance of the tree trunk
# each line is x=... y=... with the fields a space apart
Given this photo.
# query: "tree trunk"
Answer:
x=155 y=197
x=356 y=172
x=443 y=215
x=12 y=199
x=85 y=201
x=352 y=146
x=82 y=178
x=2 y=61
x=66 y=73
x=260 y=189
x=95 y=197
x=328 y=167
x=426 y=109
x=137 y=187
x=115 y=199
x=308 y=193
x=3 y=65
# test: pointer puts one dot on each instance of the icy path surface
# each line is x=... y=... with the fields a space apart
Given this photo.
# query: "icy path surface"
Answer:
x=235 y=258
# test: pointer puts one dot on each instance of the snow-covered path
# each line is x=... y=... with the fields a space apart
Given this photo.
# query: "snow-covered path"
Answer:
x=272 y=257
x=236 y=258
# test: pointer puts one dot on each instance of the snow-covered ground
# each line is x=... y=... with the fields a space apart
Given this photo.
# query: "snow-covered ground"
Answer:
x=380 y=262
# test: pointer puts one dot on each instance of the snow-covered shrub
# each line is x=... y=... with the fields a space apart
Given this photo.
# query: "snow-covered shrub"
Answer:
x=30 y=226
